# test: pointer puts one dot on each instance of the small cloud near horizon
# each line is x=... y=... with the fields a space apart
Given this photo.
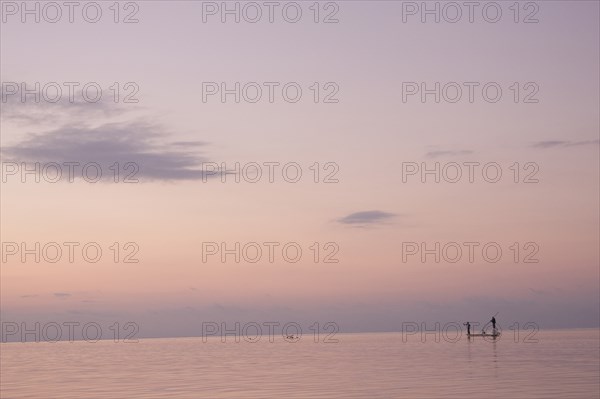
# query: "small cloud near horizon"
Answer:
x=366 y=218
x=563 y=143
x=447 y=153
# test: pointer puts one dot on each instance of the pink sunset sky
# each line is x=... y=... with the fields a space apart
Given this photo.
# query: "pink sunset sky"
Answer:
x=368 y=137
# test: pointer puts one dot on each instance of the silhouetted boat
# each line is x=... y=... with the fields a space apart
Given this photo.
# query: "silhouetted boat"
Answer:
x=484 y=335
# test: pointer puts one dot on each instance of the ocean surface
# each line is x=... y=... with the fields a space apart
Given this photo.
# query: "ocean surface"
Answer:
x=561 y=364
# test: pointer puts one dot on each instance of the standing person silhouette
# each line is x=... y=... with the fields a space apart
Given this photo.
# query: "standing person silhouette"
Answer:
x=493 y=321
x=468 y=327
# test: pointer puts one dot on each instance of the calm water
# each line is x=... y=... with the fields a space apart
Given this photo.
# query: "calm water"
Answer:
x=563 y=364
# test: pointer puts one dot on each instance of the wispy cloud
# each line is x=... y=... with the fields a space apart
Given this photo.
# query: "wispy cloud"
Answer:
x=143 y=144
x=447 y=153
x=29 y=112
x=564 y=143
x=551 y=291
x=538 y=292
x=62 y=295
x=366 y=218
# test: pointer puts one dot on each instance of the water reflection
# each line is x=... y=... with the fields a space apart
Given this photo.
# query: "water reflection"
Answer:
x=562 y=364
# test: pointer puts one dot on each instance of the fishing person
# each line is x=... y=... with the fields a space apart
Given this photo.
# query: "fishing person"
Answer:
x=493 y=321
x=468 y=327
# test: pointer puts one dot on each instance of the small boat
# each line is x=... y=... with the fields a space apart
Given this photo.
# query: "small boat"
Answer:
x=495 y=332
x=484 y=335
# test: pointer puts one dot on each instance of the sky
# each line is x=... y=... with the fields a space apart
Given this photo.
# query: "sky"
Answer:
x=365 y=135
